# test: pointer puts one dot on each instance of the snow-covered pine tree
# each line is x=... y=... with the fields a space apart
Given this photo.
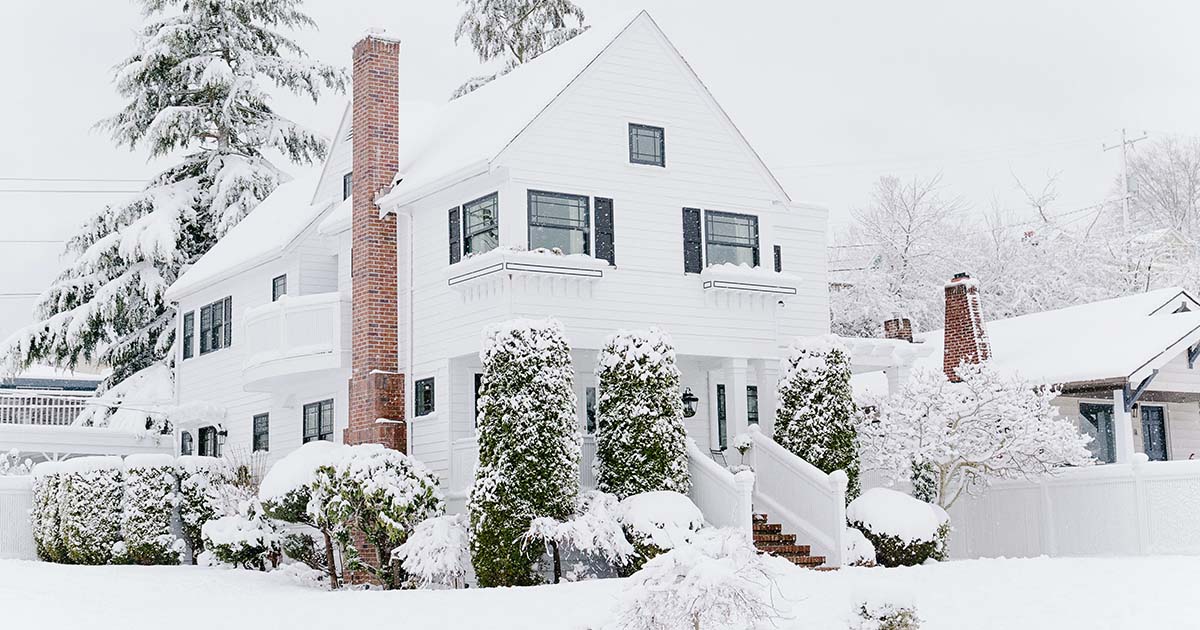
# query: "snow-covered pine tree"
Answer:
x=197 y=87
x=514 y=31
x=641 y=443
x=528 y=447
x=816 y=417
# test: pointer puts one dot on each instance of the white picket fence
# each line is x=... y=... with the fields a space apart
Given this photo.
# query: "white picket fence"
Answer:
x=16 y=499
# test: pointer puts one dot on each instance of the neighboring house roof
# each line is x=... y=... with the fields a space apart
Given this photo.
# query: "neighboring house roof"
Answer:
x=1120 y=339
x=46 y=378
x=262 y=236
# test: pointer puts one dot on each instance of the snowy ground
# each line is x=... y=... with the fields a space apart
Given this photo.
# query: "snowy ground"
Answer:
x=1025 y=594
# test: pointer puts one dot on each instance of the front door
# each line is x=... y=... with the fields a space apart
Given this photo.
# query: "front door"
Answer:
x=1154 y=433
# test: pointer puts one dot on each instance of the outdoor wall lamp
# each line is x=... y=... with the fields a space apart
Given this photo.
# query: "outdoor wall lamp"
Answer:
x=222 y=434
x=689 y=403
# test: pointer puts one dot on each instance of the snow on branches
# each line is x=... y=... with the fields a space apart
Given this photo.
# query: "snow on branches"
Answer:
x=641 y=443
x=595 y=530
x=958 y=437
x=817 y=415
x=437 y=552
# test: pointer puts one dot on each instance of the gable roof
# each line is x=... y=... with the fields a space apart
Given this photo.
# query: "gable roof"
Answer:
x=1124 y=338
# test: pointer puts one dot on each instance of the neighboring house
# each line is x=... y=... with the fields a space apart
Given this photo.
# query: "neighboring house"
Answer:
x=42 y=395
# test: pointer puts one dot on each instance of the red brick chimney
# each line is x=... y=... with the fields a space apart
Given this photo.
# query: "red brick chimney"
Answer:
x=898 y=328
x=965 y=337
x=376 y=386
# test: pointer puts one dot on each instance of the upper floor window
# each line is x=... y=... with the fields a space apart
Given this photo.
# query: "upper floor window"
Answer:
x=189 y=334
x=731 y=238
x=318 y=421
x=347 y=185
x=647 y=145
x=216 y=325
x=423 y=402
x=262 y=432
x=559 y=221
x=278 y=287
x=481 y=225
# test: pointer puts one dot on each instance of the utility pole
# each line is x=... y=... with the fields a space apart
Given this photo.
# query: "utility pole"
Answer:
x=1126 y=142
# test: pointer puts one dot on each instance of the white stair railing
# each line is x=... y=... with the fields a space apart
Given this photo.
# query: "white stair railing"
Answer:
x=800 y=496
x=724 y=498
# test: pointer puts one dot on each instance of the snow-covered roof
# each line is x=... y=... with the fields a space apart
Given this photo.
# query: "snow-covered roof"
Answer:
x=263 y=235
x=1121 y=338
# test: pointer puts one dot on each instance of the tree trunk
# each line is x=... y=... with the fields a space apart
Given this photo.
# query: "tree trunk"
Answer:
x=557 y=562
x=329 y=560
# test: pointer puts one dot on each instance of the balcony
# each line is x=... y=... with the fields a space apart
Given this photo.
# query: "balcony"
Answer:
x=293 y=338
x=520 y=272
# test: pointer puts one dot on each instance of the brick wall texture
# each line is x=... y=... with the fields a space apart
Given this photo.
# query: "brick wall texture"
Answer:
x=898 y=329
x=965 y=336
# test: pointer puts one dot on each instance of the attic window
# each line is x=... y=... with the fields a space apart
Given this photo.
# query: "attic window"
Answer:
x=647 y=145
x=347 y=185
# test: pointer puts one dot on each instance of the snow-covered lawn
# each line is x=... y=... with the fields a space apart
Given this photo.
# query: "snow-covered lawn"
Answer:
x=1026 y=594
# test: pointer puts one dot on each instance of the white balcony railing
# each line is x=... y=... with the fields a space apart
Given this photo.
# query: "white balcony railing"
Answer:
x=295 y=335
x=41 y=408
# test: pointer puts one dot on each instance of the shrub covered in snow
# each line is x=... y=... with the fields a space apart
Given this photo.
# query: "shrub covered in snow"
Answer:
x=91 y=510
x=717 y=581
x=857 y=551
x=641 y=443
x=437 y=552
x=381 y=493
x=49 y=490
x=886 y=617
x=904 y=531
x=12 y=464
x=816 y=417
x=528 y=447
x=147 y=508
x=200 y=495
x=958 y=437
x=595 y=530
x=656 y=522
x=248 y=539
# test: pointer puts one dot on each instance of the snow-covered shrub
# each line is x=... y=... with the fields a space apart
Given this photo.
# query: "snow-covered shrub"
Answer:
x=248 y=539
x=595 y=530
x=49 y=492
x=886 y=617
x=904 y=531
x=201 y=497
x=437 y=552
x=12 y=464
x=382 y=494
x=958 y=437
x=857 y=551
x=147 y=508
x=641 y=443
x=91 y=512
x=656 y=522
x=717 y=581
x=528 y=447
x=816 y=417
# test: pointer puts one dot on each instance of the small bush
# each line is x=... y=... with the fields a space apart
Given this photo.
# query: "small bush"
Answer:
x=147 y=508
x=656 y=522
x=247 y=539
x=903 y=530
x=886 y=617
x=438 y=552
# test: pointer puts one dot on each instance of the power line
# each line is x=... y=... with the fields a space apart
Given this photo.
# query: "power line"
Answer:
x=68 y=179
x=46 y=190
x=8 y=241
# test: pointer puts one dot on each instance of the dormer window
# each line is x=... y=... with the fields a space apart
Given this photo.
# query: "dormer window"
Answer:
x=647 y=145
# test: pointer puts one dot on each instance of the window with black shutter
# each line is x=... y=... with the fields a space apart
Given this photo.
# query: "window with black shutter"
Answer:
x=318 y=421
x=262 y=432
x=216 y=325
x=189 y=334
x=558 y=221
x=604 y=231
x=693 y=258
x=347 y=185
x=455 y=235
x=481 y=224
x=228 y=339
x=778 y=259
x=278 y=287
x=731 y=238
x=423 y=400
x=206 y=329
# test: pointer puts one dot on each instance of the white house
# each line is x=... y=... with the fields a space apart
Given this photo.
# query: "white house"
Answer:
x=349 y=306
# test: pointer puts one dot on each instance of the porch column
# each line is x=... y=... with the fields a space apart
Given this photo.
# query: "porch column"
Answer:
x=735 y=397
x=897 y=376
x=1122 y=428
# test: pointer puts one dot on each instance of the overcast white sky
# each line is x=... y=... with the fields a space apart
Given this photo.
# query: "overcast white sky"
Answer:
x=831 y=94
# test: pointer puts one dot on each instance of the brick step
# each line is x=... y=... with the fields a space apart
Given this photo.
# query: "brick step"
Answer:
x=768 y=528
x=808 y=562
x=785 y=550
x=759 y=517
x=775 y=539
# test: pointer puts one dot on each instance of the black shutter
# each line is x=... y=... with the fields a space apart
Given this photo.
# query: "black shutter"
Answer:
x=693 y=260
x=604 y=230
x=778 y=259
x=228 y=321
x=455 y=236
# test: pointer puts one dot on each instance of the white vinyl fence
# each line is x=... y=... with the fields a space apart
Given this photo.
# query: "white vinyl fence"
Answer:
x=725 y=499
x=41 y=408
x=16 y=499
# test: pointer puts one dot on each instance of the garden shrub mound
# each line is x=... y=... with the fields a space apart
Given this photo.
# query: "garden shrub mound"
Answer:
x=656 y=522
x=905 y=531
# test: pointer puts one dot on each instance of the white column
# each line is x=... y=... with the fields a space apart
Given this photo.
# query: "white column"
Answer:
x=735 y=398
x=1122 y=428
x=897 y=376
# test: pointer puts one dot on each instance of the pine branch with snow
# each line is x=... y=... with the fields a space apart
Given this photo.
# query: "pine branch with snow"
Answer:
x=529 y=446
x=817 y=416
x=989 y=427
x=197 y=85
x=641 y=443
x=438 y=552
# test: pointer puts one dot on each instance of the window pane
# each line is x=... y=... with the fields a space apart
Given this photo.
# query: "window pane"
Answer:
x=311 y=413
x=189 y=335
x=589 y=396
x=278 y=287
x=326 y=419
x=205 y=329
x=480 y=225
x=261 y=432
x=752 y=404
x=424 y=396
x=646 y=145
x=731 y=238
x=558 y=221
x=218 y=325
x=1097 y=423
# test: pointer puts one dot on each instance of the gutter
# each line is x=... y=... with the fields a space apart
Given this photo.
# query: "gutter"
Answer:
x=393 y=200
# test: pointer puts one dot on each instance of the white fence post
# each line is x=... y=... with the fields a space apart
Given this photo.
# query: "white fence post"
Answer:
x=16 y=535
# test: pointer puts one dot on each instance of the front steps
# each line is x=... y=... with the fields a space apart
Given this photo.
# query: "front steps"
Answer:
x=770 y=539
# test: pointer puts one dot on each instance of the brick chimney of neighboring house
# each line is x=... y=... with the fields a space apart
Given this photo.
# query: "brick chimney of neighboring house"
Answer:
x=965 y=336
x=898 y=328
x=376 y=386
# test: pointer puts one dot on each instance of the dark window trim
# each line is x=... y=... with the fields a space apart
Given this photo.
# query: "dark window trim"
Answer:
x=261 y=441
x=423 y=406
x=708 y=237
x=478 y=387
x=186 y=446
x=216 y=334
x=188 y=335
x=279 y=287
x=347 y=185
x=323 y=430
x=752 y=416
x=468 y=233
x=637 y=158
x=587 y=217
